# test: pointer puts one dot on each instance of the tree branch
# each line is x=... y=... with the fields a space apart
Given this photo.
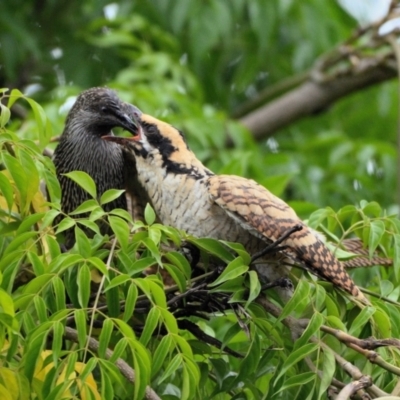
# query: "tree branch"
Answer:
x=363 y=60
x=308 y=99
x=125 y=369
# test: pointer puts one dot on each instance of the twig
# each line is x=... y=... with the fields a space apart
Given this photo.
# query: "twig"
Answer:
x=196 y=331
x=99 y=290
x=280 y=282
x=367 y=344
x=274 y=246
x=125 y=369
x=297 y=327
x=353 y=387
x=374 y=358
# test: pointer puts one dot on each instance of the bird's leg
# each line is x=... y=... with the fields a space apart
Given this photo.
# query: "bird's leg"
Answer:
x=274 y=247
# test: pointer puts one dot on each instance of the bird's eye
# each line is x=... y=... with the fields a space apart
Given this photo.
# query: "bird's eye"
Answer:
x=105 y=110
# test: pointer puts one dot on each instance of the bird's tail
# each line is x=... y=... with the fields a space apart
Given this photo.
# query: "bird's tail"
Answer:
x=317 y=256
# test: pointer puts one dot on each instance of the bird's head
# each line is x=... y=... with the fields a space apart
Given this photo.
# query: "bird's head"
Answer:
x=98 y=110
x=154 y=136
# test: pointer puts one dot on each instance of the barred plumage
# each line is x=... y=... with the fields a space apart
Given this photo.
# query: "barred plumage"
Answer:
x=190 y=197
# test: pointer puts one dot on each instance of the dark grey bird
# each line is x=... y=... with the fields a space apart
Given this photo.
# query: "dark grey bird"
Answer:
x=95 y=113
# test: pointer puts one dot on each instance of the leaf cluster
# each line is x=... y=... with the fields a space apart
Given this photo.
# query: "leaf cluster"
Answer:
x=81 y=323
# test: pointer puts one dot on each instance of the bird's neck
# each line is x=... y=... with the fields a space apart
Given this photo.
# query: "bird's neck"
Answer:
x=168 y=180
x=157 y=167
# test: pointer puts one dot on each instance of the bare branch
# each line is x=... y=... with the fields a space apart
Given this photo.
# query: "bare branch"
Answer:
x=353 y=387
x=364 y=59
x=308 y=99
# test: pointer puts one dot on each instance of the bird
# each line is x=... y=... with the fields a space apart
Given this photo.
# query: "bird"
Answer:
x=95 y=113
x=190 y=197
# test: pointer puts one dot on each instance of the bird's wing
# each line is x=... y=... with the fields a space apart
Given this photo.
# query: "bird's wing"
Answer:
x=259 y=210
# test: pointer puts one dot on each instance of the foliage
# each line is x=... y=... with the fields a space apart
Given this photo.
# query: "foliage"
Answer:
x=192 y=63
x=203 y=337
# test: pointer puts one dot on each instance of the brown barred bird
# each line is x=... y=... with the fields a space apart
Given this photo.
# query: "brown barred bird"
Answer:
x=187 y=195
x=95 y=112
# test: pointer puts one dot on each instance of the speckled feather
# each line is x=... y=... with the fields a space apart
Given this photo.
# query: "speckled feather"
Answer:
x=190 y=197
x=258 y=208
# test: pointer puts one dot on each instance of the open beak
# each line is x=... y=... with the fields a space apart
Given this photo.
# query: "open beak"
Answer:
x=125 y=141
x=128 y=123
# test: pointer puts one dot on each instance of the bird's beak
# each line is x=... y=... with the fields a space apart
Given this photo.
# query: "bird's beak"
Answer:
x=128 y=123
x=126 y=141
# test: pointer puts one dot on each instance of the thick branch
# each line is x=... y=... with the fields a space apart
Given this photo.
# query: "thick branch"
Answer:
x=310 y=98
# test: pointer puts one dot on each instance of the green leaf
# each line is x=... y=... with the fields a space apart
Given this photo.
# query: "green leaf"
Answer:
x=57 y=342
x=31 y=172
x=85 y=207
x=154 y=250
x=41 y=309
x=377 y=229
x=383 y=323
x=7 y=190
x=232 y=270
x=312 y=329
x=240 y=250
x=177 y=276
x=214 y=247
x=141 y=265
x=84 y=180
x=90 y=225
x=38 y=284
x=34 y=348
x=19 y=177
x=59 y=293
x=361 y=319
x=4 y=115
x=373 y=209
x=118 y=281
x=158 y=293
x=297 y=380
x=149 y=215
x=84 y=285
x=160 y=354
x=110 y=195
x=80 y=321
x=130 y=302
x=154 y=234
x=19 y=241
x=328 y=371
x=105 y=336
x=89 y=367
x=125 y=329
x=298 y=300
x=255 y=287
x=171 y=368
x=65 y=224
x=121 y=229
x=82 y=243
x=152 y=320
x=44 y=127
x=181 y=262
x=171 y=324
x=119 y=350
x=396 y=255
x=296 y=356
x=98 y=264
